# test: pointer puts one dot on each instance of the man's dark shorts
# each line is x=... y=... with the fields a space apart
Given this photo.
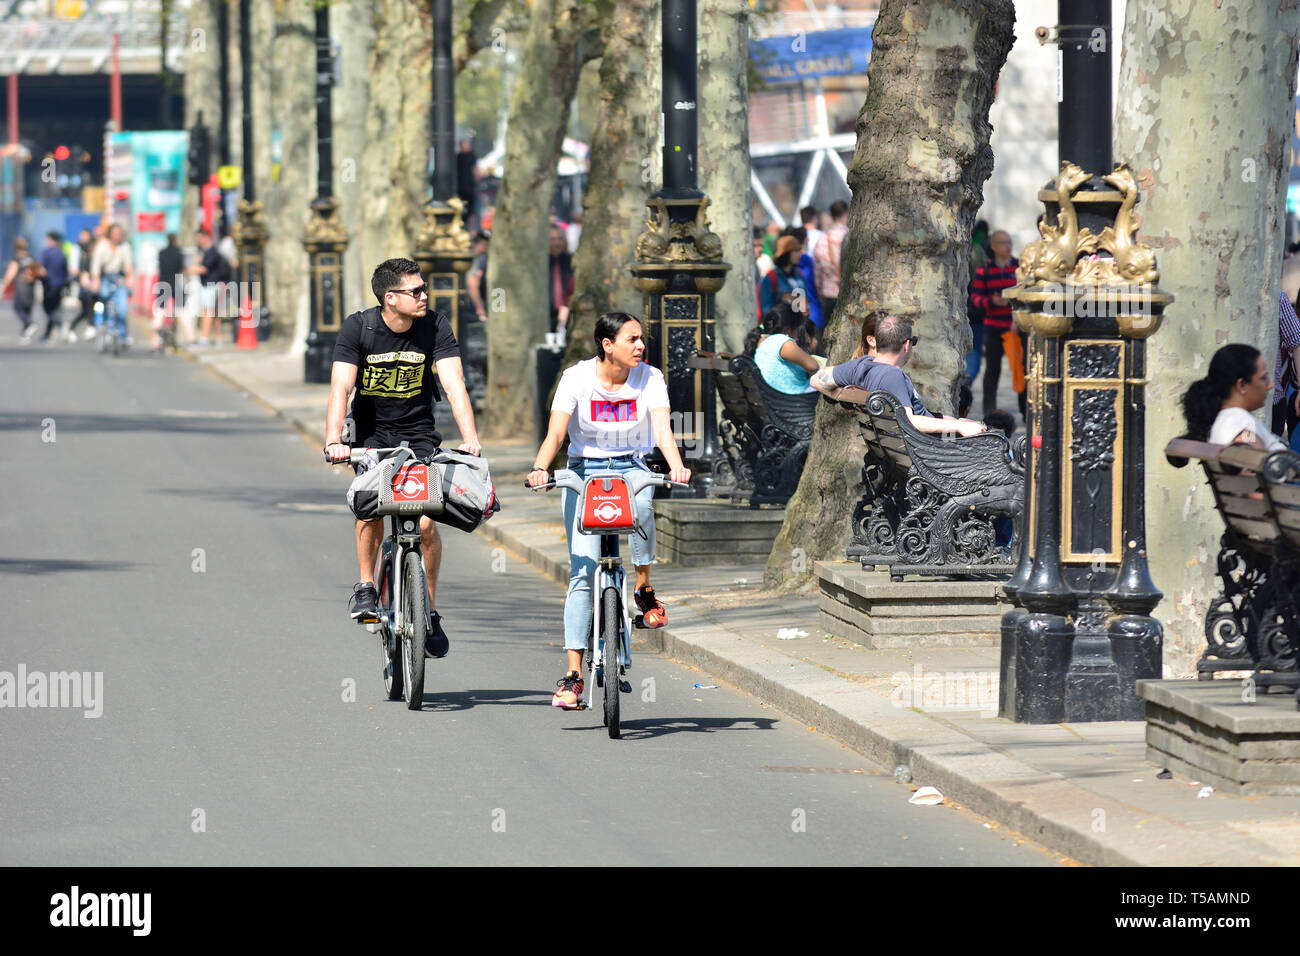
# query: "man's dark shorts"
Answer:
x=423 y=446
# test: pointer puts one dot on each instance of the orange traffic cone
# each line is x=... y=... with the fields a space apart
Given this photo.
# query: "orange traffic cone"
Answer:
x=247 y=326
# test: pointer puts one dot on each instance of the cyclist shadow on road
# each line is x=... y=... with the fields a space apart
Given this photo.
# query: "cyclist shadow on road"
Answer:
x=446 y=701
x=646 y=729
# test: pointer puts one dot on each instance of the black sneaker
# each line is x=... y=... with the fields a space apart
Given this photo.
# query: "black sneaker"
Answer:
x=365 y=604
x=435 y=642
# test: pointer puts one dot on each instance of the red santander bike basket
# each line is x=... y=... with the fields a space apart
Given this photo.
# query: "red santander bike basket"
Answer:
x=607 y=507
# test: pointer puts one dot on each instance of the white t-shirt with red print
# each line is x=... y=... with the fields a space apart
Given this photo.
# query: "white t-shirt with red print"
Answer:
x=606 y=424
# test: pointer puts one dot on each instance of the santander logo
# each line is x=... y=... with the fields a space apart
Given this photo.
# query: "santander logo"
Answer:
x=410 y=486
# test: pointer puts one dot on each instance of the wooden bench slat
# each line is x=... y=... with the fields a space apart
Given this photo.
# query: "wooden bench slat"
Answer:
x=1288 y=518
x=1189 y=448
x=1245 y=507
x=1252 y=528
x=1285 y=494
x=1243 y=456
x=1227 y=484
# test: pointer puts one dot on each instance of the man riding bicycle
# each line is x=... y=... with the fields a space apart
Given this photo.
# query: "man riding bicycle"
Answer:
x=390 y=354
x=614 y=408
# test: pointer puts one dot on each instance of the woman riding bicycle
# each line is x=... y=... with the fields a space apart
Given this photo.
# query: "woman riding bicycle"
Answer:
x=614 y=409
x=111 y=270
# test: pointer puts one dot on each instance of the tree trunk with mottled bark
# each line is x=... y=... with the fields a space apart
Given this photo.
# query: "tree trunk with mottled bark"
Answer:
x=724 y=160
x=917 y=177
x=621 y=178
x=393 y=182
x=1204 y=117
x=517 y=298
x=353 y=22
x=293 y=106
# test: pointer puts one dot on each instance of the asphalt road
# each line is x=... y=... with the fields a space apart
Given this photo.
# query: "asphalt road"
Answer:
x=168 y=533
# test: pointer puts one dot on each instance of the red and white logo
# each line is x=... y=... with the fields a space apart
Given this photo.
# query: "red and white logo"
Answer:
x=607 y=512
x=411 y=484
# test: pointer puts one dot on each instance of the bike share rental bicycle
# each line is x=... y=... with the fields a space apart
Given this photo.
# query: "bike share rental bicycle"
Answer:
x=607 y=507
x=110 y=316
x=453 y=488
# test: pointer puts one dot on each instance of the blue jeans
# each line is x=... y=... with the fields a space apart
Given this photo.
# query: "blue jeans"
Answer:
x=976 y=352
x=584 y=549
x=113 y=294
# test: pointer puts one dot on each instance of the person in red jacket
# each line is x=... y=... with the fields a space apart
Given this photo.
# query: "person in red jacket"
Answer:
x=990 y=281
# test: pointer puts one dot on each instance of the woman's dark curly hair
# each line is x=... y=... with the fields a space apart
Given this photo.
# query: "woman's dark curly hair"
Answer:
x=1204 y=397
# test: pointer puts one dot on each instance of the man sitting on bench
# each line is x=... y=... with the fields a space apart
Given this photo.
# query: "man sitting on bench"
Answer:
x=854 y=380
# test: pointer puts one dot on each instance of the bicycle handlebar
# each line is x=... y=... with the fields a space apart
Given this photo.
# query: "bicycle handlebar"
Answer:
x=566 y=478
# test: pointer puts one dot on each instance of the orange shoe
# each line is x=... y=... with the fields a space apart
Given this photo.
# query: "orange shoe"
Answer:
x=652 y=612
x=568 y=694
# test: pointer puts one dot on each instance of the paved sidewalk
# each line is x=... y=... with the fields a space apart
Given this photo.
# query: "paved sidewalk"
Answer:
x=1084 y=790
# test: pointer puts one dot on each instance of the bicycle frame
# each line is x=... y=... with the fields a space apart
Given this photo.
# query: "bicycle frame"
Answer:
x=608 y=573
x=403 y=537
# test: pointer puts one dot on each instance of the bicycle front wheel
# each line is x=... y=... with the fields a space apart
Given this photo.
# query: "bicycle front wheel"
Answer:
x=415 y=614
x=611 y=628
x=390 y=650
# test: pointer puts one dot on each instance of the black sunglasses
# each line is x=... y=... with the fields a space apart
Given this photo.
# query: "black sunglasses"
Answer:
x=913 y=340
x=415 y=293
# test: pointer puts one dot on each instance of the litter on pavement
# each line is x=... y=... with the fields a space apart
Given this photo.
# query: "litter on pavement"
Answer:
x=926 y=797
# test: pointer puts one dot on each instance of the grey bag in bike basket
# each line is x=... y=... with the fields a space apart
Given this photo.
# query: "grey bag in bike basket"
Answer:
x=451 y=487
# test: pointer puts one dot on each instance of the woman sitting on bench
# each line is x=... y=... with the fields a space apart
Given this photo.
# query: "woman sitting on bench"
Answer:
x=784 y=352
x=1218 y=407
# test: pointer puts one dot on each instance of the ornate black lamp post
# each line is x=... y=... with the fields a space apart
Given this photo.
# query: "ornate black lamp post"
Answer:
x=250 y=231
x=679 y=263
x=442 y=247
x=326 y=239
x=1081 y=632
x=223 y=138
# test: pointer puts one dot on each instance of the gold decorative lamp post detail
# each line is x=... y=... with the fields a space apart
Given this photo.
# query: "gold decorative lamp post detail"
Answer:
x=1081 y=632
x=249 y=234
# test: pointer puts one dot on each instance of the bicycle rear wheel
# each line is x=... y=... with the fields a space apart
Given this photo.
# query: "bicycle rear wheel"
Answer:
x=415 y=611
x=611 y=628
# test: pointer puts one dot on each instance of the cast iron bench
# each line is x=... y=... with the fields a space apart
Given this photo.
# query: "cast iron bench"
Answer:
x=931 y=500
x=1252 y=624
x=740 y=428
x=784 y=436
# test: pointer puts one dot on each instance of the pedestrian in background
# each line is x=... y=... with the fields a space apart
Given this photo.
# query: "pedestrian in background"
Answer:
x=477 y=277
x=54 y=266
x=782 y=284
x=826 y=258
x=85 y=287
x=215 y=272
x=21 y=274
x=977 y=259
x=559 y=280
x=812 y=307
x=810 y=217
x=170 y=281
x=991 y=280
x=467 y=182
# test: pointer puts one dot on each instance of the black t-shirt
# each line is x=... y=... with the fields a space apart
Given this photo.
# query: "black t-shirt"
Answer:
x=395 y=381
x=216 y=268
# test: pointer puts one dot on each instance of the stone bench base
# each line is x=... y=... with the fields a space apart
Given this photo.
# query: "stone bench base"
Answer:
x=700 y=532
x=867 y=608
x=1205 y=730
